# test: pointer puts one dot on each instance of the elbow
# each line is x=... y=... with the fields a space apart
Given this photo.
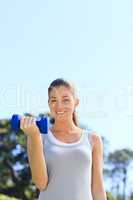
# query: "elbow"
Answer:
x=99 y=194
x=41 y=185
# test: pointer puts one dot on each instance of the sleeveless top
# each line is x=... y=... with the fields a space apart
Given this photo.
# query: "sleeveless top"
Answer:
x=69 y=168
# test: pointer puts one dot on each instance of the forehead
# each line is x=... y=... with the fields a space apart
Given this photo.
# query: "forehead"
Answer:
x=60 y=91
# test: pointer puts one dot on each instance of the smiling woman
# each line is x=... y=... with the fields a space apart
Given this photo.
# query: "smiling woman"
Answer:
x=70 y=159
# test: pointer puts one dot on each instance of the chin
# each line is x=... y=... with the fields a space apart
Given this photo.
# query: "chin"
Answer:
x=61 y=119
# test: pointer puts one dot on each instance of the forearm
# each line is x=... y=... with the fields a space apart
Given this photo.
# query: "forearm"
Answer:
x=37 y=161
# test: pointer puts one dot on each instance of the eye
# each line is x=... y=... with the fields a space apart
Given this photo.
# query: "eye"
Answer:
x=53 y=101
x=66 y=100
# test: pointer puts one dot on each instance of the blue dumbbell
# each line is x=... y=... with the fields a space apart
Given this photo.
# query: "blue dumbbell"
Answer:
x=42 y=123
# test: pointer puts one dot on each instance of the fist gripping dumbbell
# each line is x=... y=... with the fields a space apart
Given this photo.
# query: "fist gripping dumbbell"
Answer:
x=42 y=123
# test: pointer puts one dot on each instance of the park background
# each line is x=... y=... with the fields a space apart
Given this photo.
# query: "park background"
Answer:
x=87 y=42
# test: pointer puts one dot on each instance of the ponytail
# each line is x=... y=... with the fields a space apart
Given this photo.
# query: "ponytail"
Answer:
x=75 y=120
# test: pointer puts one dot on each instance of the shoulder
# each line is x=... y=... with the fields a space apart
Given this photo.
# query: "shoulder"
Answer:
x=96 y=140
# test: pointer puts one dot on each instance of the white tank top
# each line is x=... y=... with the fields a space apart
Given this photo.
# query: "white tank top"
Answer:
x=69 y=168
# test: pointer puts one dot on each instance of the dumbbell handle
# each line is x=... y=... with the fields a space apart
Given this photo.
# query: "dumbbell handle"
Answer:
x=41 y=122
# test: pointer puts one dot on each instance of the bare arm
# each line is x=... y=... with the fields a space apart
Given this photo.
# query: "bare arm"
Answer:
x=98 y=189
x=35 y=152
x=37 y=161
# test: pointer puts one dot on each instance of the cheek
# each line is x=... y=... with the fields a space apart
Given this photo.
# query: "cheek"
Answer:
x=70 y=107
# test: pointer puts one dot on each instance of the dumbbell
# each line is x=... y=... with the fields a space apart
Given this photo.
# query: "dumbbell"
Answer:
x=43 y=123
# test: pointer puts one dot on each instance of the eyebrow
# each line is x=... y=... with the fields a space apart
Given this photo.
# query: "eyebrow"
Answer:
x=53 y=97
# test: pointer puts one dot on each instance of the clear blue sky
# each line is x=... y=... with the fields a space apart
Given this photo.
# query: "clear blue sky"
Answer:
x=88 y=42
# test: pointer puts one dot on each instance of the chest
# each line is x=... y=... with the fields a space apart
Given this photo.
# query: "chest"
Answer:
x=64 y=157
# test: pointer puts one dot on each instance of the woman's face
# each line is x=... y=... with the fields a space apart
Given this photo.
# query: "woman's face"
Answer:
x=62 y=102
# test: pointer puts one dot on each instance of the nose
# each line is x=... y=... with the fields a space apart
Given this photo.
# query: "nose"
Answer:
x=59 y=106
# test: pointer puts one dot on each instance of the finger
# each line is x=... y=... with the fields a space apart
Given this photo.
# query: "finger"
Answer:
x=26 y=121
x=34 y=120
x=22 y=122
x=31 y=121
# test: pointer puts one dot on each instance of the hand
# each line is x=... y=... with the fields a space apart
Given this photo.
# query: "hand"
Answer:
x=28 y=125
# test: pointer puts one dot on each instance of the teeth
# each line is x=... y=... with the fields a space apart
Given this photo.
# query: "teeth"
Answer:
x=60 y=112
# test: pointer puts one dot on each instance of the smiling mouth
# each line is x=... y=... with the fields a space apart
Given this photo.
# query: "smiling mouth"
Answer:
x=60 y=113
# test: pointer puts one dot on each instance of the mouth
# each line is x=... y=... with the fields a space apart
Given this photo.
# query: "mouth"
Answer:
x=60 y=113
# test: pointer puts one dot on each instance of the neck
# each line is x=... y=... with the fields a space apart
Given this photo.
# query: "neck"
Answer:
x=65 y=126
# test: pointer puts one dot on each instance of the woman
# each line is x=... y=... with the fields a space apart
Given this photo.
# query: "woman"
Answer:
x=66 y=163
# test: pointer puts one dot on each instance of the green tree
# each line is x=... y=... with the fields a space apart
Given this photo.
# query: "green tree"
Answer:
x=131 y=196
x=110 y=196
x=119 y=162
x=15 y=175
x=5 y=197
